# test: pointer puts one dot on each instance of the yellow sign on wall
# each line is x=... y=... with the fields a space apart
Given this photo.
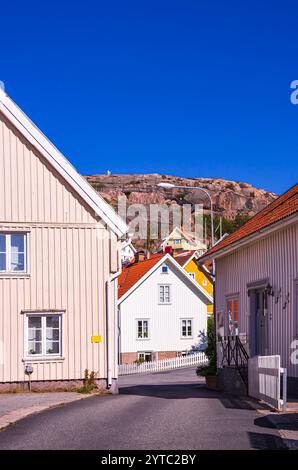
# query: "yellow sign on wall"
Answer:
x=96 y=339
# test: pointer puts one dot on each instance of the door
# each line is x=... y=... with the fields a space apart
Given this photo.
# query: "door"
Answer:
x=261 y=319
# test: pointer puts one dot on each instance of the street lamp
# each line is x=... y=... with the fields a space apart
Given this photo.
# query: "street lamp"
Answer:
x=174 y=186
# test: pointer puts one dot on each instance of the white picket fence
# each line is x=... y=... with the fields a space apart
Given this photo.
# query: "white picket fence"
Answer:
x=164 y=364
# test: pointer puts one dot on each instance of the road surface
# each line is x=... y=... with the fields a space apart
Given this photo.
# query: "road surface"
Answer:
x=170 y=410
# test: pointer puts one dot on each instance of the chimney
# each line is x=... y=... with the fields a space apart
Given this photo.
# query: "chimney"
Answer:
x=168 y=249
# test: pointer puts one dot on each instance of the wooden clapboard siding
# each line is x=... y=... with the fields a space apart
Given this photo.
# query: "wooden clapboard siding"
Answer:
x=71 y=255
x=32 y=191
x=275 y=257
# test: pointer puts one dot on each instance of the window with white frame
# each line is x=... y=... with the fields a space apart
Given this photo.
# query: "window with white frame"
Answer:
x=13 y=252
x=164 y=294
x=43 y=335
x=186 y=328
x=193 y=276
x=164 y=269
x=145 y=356
x=142 y=329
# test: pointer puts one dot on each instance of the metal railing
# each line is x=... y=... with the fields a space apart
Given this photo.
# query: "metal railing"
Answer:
x=164 y=364
x=234 y=354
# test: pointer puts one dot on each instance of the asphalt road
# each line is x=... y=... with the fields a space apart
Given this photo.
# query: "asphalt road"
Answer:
x=171 y=410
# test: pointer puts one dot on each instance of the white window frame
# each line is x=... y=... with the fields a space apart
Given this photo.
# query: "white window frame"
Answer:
x=232 y=330
x=187 y=336
x=8 y=269
x=160 y=296
x=166 y=267
x=44 y=354
x=192 y=275
x=144 y=353
x=142 y=338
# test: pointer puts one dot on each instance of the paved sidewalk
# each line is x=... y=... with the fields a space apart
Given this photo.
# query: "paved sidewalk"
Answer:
x=16 y=406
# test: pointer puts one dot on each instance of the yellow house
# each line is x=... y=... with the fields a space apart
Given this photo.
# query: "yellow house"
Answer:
x=188 y=260
x=179 y=240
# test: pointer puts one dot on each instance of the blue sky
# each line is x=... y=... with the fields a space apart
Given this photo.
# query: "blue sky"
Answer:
x=191 y=88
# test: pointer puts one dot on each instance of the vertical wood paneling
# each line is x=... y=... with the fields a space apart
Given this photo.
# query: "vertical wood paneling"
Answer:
x=67 y=275
x=164 y=320
x=274 y=256
x=69 y=259
x=30 y=190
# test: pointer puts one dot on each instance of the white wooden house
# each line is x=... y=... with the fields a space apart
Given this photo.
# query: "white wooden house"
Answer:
x=127 y=251
x=59 y=247
x=257 y=284
x=162 y=310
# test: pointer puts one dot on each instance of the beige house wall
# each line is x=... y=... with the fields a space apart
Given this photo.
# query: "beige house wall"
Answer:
x=70 y=259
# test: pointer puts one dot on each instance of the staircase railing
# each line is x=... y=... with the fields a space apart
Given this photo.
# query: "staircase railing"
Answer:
x=234 y=354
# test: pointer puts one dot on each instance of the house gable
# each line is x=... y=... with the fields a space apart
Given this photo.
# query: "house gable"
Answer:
x=175 y=267
x=16 y=154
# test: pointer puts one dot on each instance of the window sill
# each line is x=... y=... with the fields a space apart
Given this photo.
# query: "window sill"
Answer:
x=43 y=359
x=164 y=303
x=186 y=337
x=143 y=339
x=14 y=275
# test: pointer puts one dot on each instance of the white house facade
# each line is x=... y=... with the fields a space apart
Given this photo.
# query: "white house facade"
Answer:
x=162 y=311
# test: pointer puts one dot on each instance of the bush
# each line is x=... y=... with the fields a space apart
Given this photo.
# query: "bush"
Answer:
x=210 y=351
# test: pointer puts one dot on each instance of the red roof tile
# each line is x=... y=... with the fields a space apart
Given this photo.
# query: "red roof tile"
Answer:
x=134 y=272
x=282 y=207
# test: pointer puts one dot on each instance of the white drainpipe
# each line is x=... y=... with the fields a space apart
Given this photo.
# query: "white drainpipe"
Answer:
x=108 y=322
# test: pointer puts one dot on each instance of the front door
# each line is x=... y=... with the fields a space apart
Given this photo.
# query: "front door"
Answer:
x=261 y=318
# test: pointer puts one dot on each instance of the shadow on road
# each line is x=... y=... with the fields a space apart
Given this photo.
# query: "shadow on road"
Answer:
x=262 y=441
x=183 y=392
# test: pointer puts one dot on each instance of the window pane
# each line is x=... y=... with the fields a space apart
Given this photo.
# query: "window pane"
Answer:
x=34 y=347
x=34 y=334
x=34 y=322
x=140 y=329
x=17 y=262
x=17 y=243
x=2 y=243
x=52 y=347
x=53 y=322
x=52 y=334
x=2 y=262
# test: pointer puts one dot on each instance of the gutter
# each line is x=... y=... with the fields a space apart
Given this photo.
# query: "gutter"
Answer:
x=109 y=332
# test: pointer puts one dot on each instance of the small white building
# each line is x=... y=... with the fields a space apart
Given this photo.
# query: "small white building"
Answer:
x=162 y=311
x=127 y=251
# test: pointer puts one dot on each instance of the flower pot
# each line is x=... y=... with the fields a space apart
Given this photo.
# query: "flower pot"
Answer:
x=211 y=382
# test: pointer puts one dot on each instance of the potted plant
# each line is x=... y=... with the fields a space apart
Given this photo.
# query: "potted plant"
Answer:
x=210 y=371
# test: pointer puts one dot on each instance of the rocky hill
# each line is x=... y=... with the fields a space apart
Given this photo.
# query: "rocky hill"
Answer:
x=230 y=198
